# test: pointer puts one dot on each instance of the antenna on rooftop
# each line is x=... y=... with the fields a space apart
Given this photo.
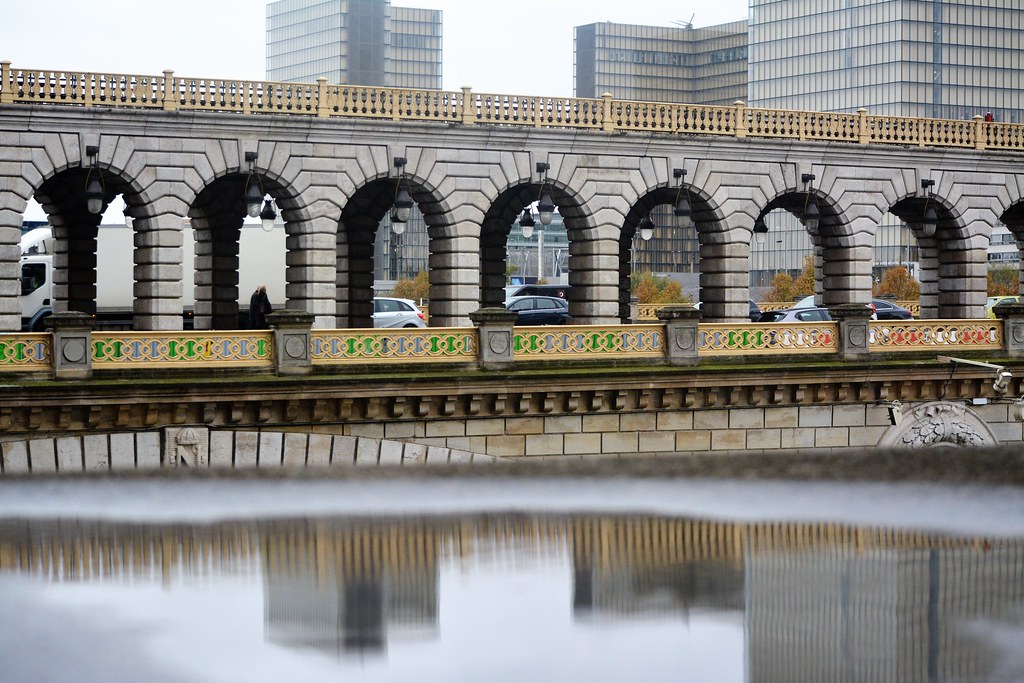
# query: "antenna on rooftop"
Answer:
x=686 y=24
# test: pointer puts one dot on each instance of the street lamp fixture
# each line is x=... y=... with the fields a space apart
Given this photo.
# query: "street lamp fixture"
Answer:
x=682 y=210
x=253 y=191
x=93 y=182
x=646 y=228
x=812 y=217
x=403 y=201
x=268 y=216
x=527 y=223
x=545 y=205
x=929 y=219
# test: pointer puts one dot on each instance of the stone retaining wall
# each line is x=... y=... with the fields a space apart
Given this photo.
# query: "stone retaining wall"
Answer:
x=222 y=449
x=820 y=429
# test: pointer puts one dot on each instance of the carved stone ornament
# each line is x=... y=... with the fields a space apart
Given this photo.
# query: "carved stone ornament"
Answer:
x=939 y=424
x=499 y=341
x=685 y=339
x=187 y=451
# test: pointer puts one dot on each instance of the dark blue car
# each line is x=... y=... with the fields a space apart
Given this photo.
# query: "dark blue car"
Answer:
x=539 y=310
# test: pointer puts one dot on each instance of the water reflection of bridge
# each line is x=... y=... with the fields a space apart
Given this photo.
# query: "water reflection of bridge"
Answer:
x=818 y=601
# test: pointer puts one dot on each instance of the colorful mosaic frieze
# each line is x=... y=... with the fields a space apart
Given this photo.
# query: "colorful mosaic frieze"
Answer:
x=584 y=341
x=177 y=349
x=424 y=345
x=723 y=339
x=20 y=352
x=916 y=335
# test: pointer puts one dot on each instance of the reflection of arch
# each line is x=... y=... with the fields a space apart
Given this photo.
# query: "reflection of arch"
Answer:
x=938 y=424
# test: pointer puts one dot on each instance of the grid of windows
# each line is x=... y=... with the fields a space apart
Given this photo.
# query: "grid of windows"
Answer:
x=365 y=42
x=665 y=64
x=929 y=58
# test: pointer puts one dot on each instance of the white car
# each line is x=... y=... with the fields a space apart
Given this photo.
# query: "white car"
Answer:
x=392 y=312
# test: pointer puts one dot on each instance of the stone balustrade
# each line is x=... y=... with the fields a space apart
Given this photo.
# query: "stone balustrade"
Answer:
x=170 y=92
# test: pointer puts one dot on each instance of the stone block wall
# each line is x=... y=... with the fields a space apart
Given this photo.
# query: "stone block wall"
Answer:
x=764 y=430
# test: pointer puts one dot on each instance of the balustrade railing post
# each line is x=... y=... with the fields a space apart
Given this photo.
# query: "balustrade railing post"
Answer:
x=292 y=338
x=495 y=336
x=72 y=344
x=854 y=330
x=1012 y=316
x=468 y=106
x=170 y=93
x=607 y=122
x=863 y=132
x=6 y=83
x=740 y=125
x=322 y=108
x=682 y=325
x=980 y=139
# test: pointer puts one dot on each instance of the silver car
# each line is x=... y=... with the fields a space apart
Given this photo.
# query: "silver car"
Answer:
x=392 y=312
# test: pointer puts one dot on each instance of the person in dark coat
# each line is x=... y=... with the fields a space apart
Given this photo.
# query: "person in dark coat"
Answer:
x=259 y=306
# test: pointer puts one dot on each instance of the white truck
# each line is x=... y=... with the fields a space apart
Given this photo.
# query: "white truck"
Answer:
x=261 y=258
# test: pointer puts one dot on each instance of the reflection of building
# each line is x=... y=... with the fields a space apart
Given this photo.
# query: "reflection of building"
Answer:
x=341 y=589
x=839 y=614
x=362 y=42
x=819 y=601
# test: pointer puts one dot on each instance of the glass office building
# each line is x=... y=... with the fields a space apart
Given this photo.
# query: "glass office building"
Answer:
x=362 y=42
x=950 y=59
x=663 y=64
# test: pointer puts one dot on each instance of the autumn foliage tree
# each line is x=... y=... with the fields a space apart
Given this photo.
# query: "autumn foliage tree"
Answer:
x=417 y=289
x=1003 y=281
x=650 y=289
x=785 y=288
x=898 y=283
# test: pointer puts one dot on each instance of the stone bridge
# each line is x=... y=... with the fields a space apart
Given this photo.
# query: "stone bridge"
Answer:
x=334 y=158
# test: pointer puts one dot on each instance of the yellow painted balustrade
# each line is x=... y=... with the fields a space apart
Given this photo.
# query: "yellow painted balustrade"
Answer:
x=170 y=92
x=32 y=352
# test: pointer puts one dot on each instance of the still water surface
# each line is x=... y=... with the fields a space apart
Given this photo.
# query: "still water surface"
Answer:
x=511 y=580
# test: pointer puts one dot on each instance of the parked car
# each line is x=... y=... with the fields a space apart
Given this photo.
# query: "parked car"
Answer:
x=539 y=310
x=887 y=310
x=391 y=312
x=796 y=315
x=997 y=301
x=559 y=290
x=753 y=310
x=895 y=312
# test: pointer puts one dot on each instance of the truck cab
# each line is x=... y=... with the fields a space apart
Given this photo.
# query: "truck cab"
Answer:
x=36 y=278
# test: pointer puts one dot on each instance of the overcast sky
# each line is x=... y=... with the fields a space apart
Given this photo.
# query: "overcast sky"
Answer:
x=510 y=46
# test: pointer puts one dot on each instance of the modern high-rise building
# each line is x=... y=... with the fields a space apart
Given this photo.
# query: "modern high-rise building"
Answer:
x=949 y=59
x=952 y=59
x=663 y=64
x=362 y=42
